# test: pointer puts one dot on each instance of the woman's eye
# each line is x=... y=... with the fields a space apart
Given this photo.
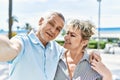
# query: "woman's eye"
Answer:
x=67 y=33
x=59 y=29
x=72 y=35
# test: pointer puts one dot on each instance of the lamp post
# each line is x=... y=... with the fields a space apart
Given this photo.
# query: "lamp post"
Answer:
x=99 y=14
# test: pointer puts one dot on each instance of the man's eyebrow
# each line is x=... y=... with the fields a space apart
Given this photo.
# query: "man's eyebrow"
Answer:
x=60 y=27
x=53 y=21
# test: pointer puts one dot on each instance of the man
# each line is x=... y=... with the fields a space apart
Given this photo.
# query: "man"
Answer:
x=34 y=56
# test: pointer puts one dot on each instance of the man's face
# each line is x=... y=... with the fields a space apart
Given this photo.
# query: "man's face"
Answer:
x=50 y=27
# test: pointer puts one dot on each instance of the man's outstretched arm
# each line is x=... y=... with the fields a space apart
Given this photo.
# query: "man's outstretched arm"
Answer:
x=9 y=49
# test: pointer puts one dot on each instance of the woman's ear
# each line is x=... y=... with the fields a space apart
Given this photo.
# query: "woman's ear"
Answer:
x=85 y=42
x=41 y=20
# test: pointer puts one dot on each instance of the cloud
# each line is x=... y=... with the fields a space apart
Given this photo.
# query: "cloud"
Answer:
x=68 y=0
x=4 y=1
x=27 y=10
x=31 y=0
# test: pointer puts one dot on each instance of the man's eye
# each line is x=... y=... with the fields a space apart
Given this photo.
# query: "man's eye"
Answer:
x=59 y=29
x=51 y=23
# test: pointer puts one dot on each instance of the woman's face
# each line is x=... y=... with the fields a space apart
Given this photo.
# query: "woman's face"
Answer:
x=73 y=39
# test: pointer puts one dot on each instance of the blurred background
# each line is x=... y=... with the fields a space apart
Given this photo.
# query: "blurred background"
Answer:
x=21 y=16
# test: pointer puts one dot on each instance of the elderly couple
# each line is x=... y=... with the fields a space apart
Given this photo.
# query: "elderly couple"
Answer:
x=37 y=56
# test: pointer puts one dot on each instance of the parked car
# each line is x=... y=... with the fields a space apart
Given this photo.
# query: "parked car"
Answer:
x=112 y=49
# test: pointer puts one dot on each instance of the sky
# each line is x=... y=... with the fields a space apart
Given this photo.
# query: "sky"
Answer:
x=30 y=11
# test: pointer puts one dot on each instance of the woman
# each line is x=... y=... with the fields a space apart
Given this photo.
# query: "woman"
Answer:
x=75 y=64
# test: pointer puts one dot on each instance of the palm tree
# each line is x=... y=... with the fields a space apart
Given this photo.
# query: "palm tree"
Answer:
x=10 y=19
x=18 y=27
x=27 y=27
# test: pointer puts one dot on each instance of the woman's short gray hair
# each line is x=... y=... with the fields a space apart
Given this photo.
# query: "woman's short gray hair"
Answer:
x=87 y=27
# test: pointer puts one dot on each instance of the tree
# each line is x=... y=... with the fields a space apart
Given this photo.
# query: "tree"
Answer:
x=18 y=27
x=27 y=27
x=10 y=19
x=63 y=32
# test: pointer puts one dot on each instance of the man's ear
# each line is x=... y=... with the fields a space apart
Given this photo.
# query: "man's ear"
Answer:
x=41 y=20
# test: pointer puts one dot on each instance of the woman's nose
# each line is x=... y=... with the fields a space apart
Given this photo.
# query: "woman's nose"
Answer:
x=66 y=37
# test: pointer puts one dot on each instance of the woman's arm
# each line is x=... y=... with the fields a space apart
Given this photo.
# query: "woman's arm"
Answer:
x=101 y=69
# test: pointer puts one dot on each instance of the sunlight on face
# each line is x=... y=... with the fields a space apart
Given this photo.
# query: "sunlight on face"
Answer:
x=73 y=39
x=50 y=27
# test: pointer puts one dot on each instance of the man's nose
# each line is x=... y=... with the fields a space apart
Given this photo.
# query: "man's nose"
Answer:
x=53 y=30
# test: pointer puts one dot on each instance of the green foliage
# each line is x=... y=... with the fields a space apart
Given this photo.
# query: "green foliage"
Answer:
x=63 y=32
x=94 y=44
x=113 y=40
x=60 y=42
x=102 y=44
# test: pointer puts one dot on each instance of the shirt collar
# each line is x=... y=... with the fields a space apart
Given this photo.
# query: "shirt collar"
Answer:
x=49 y=45
x=36 y=41
x=84 y=58
x=33 y=37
